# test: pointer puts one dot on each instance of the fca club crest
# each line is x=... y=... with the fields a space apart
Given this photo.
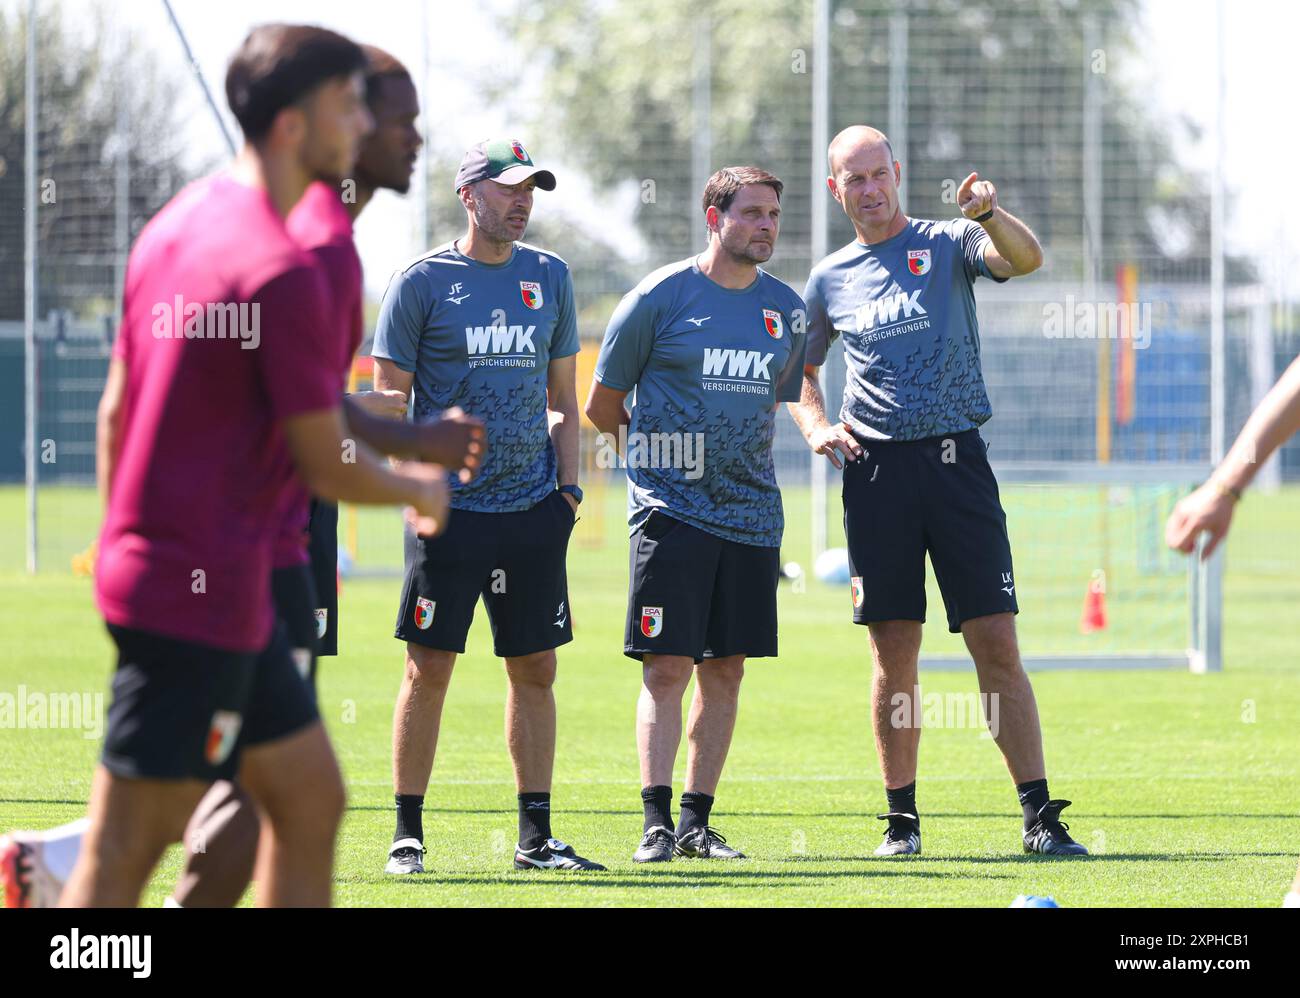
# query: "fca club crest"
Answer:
x=772 y=323
x=519 y=152
x=652 y=621
x=221 y=736
x=424 y=612
x=322 y=622
x=856 y=583
x=531 y=292
x=918 y=261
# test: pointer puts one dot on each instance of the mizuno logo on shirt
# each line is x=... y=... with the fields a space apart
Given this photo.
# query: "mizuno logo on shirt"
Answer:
x=699 y=322
x=480 y=340
x=883 y=311
x=750 y=364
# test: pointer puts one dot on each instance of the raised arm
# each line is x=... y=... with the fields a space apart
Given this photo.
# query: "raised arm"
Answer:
x=1013 y=248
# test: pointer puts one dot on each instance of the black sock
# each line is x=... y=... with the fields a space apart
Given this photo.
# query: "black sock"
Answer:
x=1033 y=795
x=410 y=824
x=903 y=800
x=534 y=819
x=693 y=812
x=658 y=805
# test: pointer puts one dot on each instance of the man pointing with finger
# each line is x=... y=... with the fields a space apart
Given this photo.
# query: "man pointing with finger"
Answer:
x=916 y=478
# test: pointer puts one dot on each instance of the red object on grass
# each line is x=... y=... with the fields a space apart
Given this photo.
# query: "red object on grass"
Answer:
x=1094 y=610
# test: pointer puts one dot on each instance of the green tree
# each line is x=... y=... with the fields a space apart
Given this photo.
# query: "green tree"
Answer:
x=993 y=85
x=601 y=263
x=81 y=77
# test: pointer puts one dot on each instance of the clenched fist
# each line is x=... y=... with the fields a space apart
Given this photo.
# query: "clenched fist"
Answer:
x=456 y=441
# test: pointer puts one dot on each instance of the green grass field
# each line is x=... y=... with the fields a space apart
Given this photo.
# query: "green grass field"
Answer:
x=1186 y=787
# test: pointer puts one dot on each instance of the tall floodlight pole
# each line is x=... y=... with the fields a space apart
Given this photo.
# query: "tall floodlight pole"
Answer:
x=121 y=191
x=701 y=116
x=1212 y=642
x=29 y=286
x=426 y=104
x=821 y=89
x=898 y=68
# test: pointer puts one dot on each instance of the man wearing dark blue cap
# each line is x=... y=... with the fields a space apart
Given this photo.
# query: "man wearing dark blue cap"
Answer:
x=487 y=323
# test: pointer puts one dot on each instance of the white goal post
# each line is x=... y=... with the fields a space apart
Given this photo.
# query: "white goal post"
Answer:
x=1065 y=516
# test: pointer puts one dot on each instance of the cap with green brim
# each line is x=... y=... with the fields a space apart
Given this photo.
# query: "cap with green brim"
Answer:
x=503 y=160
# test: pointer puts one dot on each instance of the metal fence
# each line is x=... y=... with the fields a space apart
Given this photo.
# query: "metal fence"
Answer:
x=635 y=107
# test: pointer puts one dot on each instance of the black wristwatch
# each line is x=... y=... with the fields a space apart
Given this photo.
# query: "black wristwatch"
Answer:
x=572 y=490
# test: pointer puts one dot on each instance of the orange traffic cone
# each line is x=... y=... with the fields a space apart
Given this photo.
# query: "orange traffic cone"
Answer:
x=1094 y=608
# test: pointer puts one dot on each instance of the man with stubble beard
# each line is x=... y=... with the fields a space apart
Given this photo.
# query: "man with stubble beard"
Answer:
x=711 y=345
x=487 y=323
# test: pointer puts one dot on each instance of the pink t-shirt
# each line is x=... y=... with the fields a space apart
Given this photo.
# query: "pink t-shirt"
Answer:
x=320 y=224
x=224 y=335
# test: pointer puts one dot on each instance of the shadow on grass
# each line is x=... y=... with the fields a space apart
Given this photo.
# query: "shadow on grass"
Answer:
x=745 y=877
x=665 y=879
x=1111 y=857
x=865 y=813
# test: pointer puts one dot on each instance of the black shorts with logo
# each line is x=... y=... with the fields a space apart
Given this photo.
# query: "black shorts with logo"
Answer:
x=693 y=593
x=515 y=561
x=904 y=498
x=183 y=710
x=294 y=593
x=323 y=546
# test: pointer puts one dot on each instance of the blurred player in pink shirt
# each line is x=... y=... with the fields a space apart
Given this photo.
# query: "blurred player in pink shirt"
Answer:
x=222 y=400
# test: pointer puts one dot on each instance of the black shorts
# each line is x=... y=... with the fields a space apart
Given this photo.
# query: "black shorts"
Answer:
x=696 y=594
x=294 y=595
x=515 y=561
x=184 y=711
x=323 y=546
x=904 y=498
